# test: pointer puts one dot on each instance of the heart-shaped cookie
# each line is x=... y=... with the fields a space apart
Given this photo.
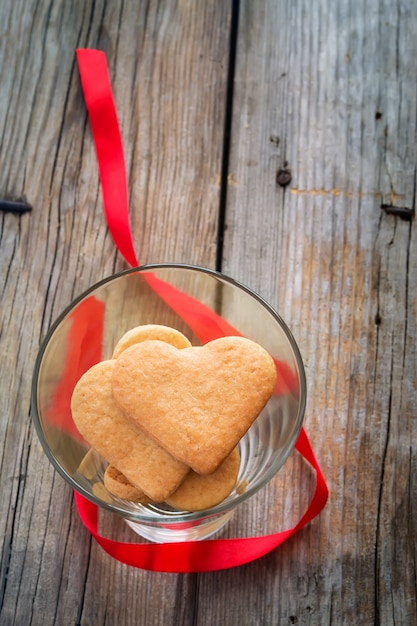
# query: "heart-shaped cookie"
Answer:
x=150 y=331
x=198 y=492
x=102 y=423
x=117 y=484
x=195 y=493
x=196 y=402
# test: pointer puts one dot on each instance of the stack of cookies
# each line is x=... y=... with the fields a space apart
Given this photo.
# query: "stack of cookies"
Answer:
x=168 y=416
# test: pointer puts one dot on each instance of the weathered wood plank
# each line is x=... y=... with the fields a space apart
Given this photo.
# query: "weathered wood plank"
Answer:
x=168 y=64
x=327 y=91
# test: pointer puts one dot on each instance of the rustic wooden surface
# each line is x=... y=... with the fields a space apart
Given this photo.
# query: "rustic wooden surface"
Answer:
x=324 y=99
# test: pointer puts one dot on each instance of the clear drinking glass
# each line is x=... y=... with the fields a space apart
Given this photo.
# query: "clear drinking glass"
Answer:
x=200 y=303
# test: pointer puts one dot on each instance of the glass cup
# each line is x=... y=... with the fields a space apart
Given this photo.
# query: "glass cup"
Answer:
x=202 y=304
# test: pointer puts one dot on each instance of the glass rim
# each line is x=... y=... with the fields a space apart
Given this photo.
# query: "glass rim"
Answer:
x=180 y=517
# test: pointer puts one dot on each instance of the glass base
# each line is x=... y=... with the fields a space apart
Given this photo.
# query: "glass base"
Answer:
x=180 y=531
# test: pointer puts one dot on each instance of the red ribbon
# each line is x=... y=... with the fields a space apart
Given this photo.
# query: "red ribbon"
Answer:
x=183 y=557
x=95 y=81
x=83 y=350
x=210 y=554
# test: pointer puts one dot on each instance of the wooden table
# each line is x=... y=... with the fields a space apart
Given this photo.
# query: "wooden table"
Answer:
x=275 y=141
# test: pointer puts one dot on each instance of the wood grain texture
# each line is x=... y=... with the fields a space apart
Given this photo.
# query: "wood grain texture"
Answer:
x=170 y=97
x=327 y=91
